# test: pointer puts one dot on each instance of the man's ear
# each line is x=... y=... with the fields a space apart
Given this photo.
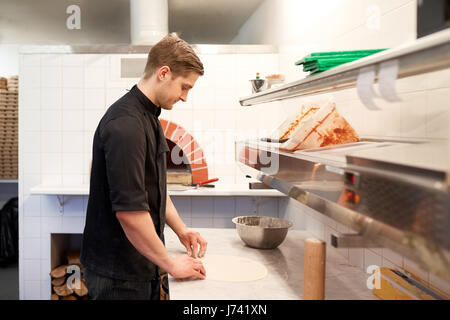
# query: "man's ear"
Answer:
x=164 y=73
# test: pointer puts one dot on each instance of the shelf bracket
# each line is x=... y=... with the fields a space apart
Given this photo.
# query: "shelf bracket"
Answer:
x=62 y=202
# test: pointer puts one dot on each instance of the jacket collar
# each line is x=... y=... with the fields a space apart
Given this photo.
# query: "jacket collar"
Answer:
x=146 y=102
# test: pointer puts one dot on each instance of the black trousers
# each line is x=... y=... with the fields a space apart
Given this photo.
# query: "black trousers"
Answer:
x=104 y=288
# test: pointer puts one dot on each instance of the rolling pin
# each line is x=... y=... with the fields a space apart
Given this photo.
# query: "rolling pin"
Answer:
x=314 y=270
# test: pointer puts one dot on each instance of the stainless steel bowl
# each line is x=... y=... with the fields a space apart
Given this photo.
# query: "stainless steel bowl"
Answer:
x=262 y=232
x=258 y=85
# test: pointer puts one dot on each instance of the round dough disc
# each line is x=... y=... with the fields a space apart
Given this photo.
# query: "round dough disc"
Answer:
x=232 y=269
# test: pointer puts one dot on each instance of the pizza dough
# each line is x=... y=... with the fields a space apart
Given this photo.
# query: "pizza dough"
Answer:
x=232 y=268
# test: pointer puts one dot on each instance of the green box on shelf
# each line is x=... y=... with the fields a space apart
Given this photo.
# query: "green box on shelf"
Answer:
x=320 y=61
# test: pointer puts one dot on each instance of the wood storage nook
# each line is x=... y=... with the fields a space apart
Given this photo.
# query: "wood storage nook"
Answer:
x=64 y=283
x=67 y=276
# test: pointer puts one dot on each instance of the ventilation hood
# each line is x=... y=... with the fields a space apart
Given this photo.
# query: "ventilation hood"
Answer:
x=149 y=21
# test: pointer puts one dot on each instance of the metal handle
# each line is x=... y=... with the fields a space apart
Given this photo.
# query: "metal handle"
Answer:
x=207 y=181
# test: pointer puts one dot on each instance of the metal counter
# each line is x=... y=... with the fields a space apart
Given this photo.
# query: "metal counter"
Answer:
x=285 y=271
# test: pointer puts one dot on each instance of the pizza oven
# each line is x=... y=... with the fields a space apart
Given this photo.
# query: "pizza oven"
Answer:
x=186 y=163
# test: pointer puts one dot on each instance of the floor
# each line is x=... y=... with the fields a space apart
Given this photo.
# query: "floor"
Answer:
x=9 y=282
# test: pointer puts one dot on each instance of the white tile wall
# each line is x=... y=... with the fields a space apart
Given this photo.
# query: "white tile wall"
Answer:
x=31 y=206
x=72 y=98
x=50 y=98
x=51 y=120
x=32 y=270
x=30 y=99
x=32 y=290
x=31 y=248
x=31 y=227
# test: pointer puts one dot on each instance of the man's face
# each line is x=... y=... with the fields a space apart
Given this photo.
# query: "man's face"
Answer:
x=174 y=89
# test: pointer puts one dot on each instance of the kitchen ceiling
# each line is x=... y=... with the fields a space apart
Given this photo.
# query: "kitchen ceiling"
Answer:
x=209 y=21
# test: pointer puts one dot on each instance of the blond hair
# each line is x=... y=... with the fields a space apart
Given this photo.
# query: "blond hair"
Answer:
x=175 y=53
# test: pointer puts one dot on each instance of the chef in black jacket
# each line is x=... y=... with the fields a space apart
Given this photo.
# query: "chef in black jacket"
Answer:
x=123 y=252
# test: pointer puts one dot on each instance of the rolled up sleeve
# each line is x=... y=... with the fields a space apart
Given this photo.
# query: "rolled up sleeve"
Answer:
x=124 y=144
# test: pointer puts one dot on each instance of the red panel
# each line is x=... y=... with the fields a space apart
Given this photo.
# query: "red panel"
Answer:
x=171 y=130
x=164 y=123
x=185 y=141
x=200 y=175
x=178 y=135
x=198 y=163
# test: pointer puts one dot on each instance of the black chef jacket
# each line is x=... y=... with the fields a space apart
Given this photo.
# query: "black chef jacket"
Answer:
x=128 y=174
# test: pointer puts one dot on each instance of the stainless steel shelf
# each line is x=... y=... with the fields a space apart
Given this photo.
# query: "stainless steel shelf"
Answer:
x=423 y=55
x=401 y=205
x=9 y=181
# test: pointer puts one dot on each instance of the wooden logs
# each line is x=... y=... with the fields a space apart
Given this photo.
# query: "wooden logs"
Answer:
x=59 y=272
x=63 y=282
x=83 y=289
x=63 y=290
x=59 y=281
x=314 y=270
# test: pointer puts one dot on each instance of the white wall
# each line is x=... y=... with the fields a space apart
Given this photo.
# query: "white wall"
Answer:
x=301 y=27
x=293 y=22
x=9 y=60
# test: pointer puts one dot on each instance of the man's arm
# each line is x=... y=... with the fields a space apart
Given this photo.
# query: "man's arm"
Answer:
x=189 y=238
x=172 y=217
x=140 y=231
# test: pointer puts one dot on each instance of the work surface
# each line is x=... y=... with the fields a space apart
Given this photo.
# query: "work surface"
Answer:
x=284 y=265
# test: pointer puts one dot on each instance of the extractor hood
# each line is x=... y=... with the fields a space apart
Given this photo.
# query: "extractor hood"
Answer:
x=149 y=21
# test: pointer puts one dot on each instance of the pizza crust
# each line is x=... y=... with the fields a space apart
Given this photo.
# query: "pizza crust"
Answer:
x=232 y=268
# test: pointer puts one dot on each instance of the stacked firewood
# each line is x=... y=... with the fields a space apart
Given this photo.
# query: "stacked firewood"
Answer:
x=64 y=279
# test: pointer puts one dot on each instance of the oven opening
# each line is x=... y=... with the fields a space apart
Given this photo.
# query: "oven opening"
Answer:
x=178 y=168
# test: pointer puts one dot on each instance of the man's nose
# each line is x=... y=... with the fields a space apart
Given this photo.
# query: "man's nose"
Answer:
x=183 y=97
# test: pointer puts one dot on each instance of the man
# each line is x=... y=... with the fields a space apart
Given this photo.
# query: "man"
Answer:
x=123 y=251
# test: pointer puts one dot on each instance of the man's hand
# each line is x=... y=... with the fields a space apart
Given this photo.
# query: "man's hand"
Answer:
x=184 y=267
x=192 y=240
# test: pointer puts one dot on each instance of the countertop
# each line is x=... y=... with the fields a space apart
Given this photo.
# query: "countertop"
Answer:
x=284 y=265
x=220 y=190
